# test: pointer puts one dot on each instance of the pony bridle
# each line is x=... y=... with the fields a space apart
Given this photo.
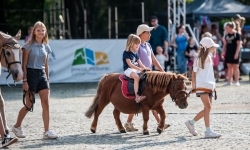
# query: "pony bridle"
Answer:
x=13 y=46
x=174 y=97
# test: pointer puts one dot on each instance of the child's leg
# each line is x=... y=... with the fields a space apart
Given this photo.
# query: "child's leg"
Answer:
x=190 y=72
x=229 y=73
x=130 y=118
x=207 y=107
x=136 y=78
x=236 y=72
x=2 y=130
x=2 y=111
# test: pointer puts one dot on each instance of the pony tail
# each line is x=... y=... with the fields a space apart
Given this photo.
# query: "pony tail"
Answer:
x=95 y=102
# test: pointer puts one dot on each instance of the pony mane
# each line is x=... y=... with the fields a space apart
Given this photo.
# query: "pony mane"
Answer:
x=159 y=81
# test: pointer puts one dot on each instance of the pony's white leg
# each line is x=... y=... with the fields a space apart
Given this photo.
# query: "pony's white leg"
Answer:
x=2 y=111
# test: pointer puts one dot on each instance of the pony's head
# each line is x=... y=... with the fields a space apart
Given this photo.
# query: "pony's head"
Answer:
x=178 y=89
x=10 y=54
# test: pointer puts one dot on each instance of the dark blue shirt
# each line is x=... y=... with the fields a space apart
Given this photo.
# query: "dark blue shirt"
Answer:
x=158 y=36
x=134 y=57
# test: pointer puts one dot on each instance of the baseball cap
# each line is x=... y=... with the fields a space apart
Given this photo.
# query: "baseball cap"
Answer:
x=143 y=27
x=207 y=42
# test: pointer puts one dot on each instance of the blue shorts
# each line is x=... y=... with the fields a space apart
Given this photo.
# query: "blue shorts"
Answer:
x=37 y=80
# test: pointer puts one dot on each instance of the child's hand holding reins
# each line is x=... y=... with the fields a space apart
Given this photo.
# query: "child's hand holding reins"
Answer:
x=25 y=86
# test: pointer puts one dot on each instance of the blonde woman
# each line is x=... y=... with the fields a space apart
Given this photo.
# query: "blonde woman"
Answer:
x=132 y=64
x=36 y=78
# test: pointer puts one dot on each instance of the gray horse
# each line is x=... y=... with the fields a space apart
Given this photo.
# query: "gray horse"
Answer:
x=10 y=54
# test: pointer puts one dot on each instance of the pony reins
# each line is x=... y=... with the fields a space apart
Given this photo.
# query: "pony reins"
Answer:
x=32 y=100
x=204 y=90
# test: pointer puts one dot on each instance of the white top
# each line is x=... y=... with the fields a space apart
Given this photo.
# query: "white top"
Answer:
x=161 y=59
x=204 y=77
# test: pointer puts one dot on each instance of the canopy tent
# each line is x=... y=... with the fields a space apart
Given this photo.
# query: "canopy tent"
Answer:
x=220 y=8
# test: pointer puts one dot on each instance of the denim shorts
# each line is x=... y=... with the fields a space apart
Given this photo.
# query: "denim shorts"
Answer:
x=37 y=80
x=209 y=94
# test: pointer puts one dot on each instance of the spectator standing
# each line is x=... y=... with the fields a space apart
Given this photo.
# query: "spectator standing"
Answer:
x=191 y=53
x=180 y=42
x=29 y=32
x=159 y=37
x=232 y=50
x=160 y=57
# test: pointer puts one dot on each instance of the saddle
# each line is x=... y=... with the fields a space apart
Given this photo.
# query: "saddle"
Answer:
x=128 y=85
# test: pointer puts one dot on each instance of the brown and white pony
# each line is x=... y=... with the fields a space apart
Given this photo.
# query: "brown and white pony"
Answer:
x=10 y=54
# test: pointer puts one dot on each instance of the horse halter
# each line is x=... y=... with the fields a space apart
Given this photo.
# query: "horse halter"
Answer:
x=14 y=46
x=174 y=99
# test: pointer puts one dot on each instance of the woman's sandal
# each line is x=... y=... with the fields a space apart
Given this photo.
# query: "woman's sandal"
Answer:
x=139 y=99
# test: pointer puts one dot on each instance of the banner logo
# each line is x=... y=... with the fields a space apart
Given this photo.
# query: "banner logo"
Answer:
x=89 y=62
x=87 y=56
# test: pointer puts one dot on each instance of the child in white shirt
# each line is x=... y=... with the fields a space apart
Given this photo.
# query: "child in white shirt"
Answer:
x=203 y=77
x=160 y=57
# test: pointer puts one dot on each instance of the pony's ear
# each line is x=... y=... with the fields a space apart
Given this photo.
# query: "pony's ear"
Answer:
x=18 y=35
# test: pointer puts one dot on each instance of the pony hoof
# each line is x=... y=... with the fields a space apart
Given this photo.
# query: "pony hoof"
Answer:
x=92 y=130
x=123 y=131
x=145 y=133
x=159 y=130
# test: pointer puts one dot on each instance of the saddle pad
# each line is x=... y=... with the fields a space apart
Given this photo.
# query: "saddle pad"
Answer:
x=124 y=88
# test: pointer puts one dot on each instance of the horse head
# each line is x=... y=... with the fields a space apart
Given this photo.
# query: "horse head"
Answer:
x=10 y=52
x=178 y=90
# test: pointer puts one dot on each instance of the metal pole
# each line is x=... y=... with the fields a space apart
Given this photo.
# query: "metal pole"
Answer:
x=68 y=22
x=59 y=22
x=50 y=21
x=116 y=23
x=109 y=26
x=54 y=19
x=85 y=24
x=63 y=16
x=169 y=17
x=142 y=12
x=184 y=12
x=174 y=16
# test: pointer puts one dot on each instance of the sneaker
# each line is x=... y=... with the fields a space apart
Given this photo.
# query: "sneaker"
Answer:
x=237 y=84
x=18 y=132
x=49 y=135
x=212 y=134
x=227 y=84
x=8 y=141
x=130 y=127
x=191 y=128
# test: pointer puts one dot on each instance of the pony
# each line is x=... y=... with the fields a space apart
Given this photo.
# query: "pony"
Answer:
x=10 y=53
x=158 y=85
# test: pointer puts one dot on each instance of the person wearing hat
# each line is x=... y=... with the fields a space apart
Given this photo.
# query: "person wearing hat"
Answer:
x=203 y=78
x=159 y=37
x=148 y=59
